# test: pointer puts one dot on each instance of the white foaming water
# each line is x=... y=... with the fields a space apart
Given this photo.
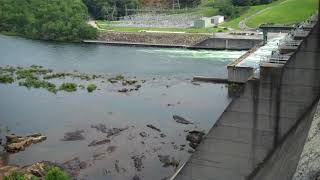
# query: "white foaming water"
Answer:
x=196 y=54
x=265 y=51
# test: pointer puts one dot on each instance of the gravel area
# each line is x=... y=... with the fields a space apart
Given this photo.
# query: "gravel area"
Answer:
x=309 y=165
x=158 y=20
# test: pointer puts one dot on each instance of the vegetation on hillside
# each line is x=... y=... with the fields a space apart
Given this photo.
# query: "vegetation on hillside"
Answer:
x=277 y=12
x=59 y=20
x=228 y=9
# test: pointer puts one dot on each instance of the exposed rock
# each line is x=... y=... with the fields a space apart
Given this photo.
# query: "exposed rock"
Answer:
x=110 y=132
x=115 y=131
x=181 y=120
x=73 y=166
x=73 y=136
x=37 y=169
x=175 y=147
x=111 y=149
x=190 y=151
x=195 y=83
x=137 y=87
x=137 y=160
x=163 y=135
x=167 y=162
x=153 y=127
x=131 y=81
x=116 y=166
x=143 y=134
x=100 y=142
x=195 y=137
x=112 y=81
x=18 y=143
x=100 y=127
x=4 y=158
x=136 y=177
x=99 y=156
x=123 y=90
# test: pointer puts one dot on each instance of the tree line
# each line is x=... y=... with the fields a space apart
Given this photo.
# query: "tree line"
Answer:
x=234 y=8
x=59 y=20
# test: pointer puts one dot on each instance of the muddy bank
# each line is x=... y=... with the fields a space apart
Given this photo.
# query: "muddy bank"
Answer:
x=153 y=38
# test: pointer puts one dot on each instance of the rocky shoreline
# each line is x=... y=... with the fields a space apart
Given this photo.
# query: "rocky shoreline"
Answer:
x=73 y=167
x=174 y=39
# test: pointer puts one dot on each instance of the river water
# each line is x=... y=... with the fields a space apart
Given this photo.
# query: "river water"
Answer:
x=168 y=74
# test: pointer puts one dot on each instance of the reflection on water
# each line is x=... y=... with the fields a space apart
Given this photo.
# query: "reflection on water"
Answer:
x=26 y=111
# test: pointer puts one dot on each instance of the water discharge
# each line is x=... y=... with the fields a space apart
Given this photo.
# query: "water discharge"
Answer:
x=197 y=54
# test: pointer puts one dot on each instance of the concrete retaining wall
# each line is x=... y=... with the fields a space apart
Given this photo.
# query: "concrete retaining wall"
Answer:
x=239 y=74
x=229 y=44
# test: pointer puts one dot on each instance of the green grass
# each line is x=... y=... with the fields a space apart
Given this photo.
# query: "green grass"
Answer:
x=290 y=12
x=107 y=26
x=234 y=23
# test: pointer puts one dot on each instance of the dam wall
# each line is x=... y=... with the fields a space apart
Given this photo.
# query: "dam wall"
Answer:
x=298 y=97
x=261 y=134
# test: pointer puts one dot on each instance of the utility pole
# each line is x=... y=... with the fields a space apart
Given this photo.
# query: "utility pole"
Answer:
x=176 y=4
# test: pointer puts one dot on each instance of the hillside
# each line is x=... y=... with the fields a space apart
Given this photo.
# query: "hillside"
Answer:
x=278 y=12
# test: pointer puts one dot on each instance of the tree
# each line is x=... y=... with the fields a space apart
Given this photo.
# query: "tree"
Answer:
x=60 y=20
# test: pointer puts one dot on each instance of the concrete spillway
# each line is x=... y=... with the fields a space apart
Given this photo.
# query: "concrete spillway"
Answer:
x=254 y=59
x=249 y=64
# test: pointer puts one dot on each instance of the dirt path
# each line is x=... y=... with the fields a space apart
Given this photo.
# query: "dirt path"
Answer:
x=242 y=24
x=93 y=24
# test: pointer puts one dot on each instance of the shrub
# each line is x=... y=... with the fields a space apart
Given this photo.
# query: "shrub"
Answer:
x=55 y=173
x=6 y=79
x=91 y=87
x=69 y=87
x=35 y=83
x=16 y=176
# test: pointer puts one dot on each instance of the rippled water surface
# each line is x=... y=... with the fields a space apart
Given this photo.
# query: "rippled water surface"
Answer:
x=167 y=73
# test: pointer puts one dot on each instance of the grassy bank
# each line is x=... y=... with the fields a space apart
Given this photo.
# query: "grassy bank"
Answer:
x=288 y=12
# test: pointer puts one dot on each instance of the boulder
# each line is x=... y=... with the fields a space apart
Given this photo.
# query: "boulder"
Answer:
x=195 y=138
x=181 y=120
x=19 y=143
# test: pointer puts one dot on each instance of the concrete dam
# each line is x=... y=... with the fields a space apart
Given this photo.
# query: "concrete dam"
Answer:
x=261 y=134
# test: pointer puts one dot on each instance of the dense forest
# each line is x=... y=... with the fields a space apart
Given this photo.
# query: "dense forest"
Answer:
x=60 y=20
